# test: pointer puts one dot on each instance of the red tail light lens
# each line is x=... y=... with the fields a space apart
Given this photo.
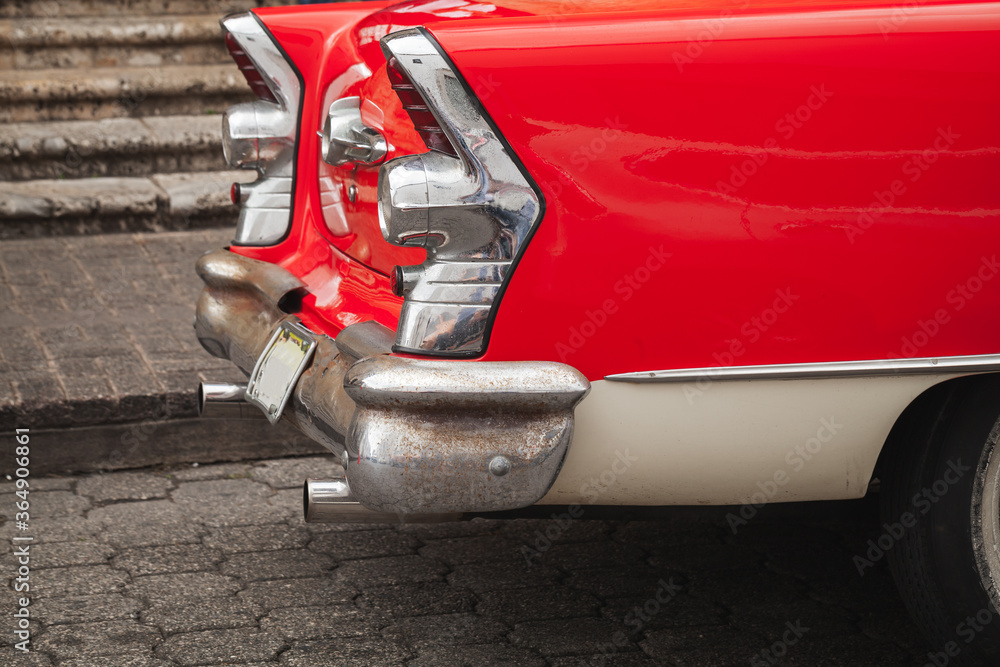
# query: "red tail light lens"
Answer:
x=423 y=120
x=250 y=72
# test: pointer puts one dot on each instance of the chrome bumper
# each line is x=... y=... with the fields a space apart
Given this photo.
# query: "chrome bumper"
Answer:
x=415 y=436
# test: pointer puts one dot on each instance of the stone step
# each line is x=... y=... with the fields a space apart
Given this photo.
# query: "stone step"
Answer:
x=96 y=337
x=110 y=147
x=39 y=208
x=125 y=41
x=115 y=8
x=116 y=92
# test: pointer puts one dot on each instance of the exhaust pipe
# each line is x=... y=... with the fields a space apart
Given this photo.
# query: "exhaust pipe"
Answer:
x=330 y=501
x=222 y=400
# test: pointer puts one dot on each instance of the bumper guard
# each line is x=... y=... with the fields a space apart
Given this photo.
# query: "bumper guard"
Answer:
x=415 y=436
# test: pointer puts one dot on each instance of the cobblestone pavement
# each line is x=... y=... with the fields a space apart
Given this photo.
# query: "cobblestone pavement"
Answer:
x=97 y=329
x=212 y=565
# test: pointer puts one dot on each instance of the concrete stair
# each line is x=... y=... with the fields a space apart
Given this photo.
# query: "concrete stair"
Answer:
x=131 y=41
x=117 y=92
x=51 y=9
x=162 y=202
x=110 y=147
x=110 y=116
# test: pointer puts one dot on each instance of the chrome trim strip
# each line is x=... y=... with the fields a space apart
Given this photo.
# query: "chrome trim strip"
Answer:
x=982 y=363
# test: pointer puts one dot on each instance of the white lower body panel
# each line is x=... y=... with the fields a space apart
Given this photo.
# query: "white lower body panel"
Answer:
x=731 y=442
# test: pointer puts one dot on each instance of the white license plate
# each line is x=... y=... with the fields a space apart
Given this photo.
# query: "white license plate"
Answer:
x=278 y=369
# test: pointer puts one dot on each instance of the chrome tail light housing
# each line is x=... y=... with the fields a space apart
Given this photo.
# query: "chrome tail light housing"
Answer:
x=263 y=134
x=472 y=208
x=346 y=139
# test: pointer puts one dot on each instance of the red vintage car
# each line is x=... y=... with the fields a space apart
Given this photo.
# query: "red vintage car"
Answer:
x=529 y=252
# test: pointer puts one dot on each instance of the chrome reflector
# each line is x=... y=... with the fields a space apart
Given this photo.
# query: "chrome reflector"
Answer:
x=262 y=135
x=345 y=137
x=473 y=213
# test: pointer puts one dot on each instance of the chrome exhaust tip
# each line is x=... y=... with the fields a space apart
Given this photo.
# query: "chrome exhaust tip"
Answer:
x=330 y=501
x=222 y=400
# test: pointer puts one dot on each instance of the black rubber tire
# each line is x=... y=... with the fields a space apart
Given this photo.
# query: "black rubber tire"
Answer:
x=943 y=440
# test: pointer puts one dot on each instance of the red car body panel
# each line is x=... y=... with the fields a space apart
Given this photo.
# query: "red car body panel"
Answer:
x=724 y=186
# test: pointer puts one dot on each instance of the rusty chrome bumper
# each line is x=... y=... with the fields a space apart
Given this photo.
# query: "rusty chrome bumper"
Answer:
x=415 y=436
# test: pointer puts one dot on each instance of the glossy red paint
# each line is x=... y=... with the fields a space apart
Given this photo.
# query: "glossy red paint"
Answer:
x=824 y=191
x=336 y=50
x=341 y=291
x=352 y=226
x=794 y=182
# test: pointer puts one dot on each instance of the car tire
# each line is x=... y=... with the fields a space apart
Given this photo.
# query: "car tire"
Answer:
x=940 y=507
